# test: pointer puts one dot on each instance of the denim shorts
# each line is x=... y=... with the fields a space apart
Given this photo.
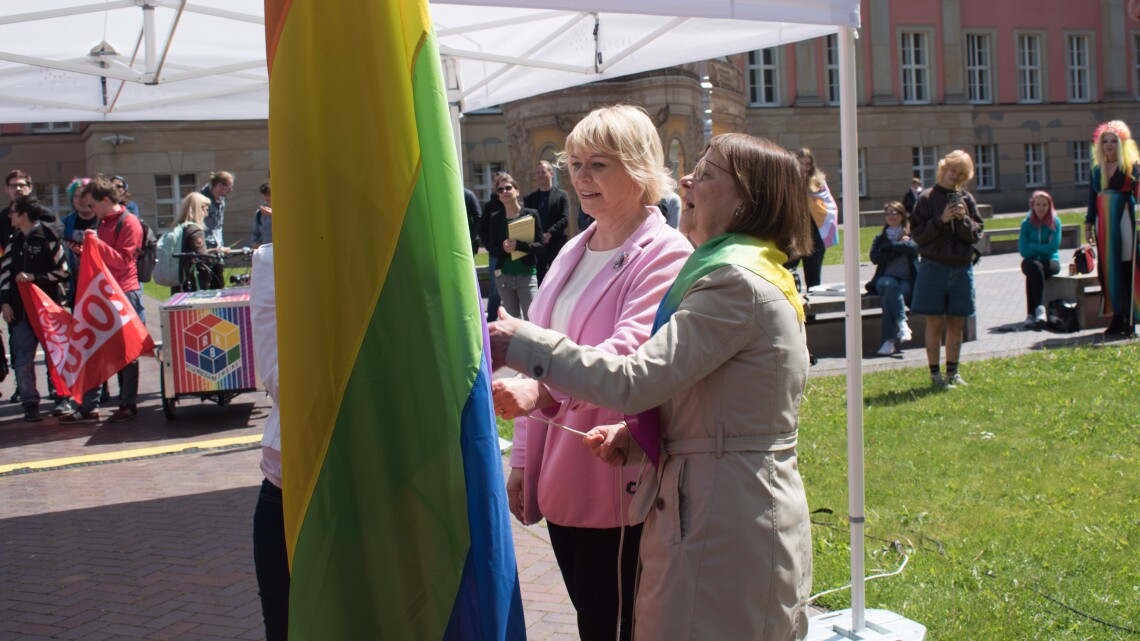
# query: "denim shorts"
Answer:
x=943 y=289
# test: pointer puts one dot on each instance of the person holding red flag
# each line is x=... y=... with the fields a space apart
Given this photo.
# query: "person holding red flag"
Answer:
x=34 y=254
x=122 y=238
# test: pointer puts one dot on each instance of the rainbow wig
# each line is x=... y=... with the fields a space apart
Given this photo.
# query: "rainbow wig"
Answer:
x=1128 y=154
x=1051 y=220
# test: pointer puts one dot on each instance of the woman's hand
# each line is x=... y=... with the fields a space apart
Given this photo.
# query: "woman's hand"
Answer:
x=952 y=212
x=1090 y=237
x=515 y=493
x=501 y=332
x=515 y=397
x=609 y=443
x=7 y=313
x=24 y=277
x=509 y=245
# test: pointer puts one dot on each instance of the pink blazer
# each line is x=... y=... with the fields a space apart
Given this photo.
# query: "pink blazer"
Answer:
x=562 y=480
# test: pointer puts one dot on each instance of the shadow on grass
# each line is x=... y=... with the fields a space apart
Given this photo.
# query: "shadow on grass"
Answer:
x=899 y=397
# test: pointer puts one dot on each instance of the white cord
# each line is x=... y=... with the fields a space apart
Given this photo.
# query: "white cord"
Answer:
x=870 y=578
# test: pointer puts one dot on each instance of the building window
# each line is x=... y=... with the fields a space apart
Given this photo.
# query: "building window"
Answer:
x=481 y=173
x=763 y=78
x=831 y=52
x=169 y=190
x=1136 y=64
x=1077 y=61
x=924 y=165
x=53 y=197
x=914 y=67
x=1029 y=68
x=51 y=127
x=985 y=168
x=1035 y=165
x=978 y=65
x=1082 y=167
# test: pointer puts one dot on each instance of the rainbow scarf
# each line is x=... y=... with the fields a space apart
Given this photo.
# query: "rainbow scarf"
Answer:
x=761 y=257
x=396 y=516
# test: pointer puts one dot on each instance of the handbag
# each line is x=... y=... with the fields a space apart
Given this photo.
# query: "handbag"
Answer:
x=1084 y=259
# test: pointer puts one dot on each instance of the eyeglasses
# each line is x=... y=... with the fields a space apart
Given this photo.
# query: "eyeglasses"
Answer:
x=119 y=186
x=894 y=212
x=504 y=188
x=18 y=185
x=700 y=167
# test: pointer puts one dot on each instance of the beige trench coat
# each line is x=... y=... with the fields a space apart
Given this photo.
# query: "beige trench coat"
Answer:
x=726 y=549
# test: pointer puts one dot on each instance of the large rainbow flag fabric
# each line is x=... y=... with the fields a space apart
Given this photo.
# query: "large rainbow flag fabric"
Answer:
x=395 y=511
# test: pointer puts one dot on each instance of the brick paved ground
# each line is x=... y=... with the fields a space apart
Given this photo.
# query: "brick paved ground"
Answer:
x=160 y=548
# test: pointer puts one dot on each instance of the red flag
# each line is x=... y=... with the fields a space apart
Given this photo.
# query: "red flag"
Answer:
x=104 y=334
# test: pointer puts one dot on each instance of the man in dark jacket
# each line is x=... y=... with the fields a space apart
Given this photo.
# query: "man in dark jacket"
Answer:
x=34 y=254
x=494 y=207
x=553 y=205
x=946 y=225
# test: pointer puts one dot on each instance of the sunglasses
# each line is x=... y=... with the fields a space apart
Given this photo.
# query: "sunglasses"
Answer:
x=18 y=185
x=894 y=212
x=504 y=188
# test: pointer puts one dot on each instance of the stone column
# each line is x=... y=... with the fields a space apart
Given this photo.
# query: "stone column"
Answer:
x=807 y=81
x=1116 y=52
x=953 y=64
x=882 y=45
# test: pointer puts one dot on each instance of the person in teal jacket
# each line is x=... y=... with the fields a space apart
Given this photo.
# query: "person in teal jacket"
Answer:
x=1038 y=244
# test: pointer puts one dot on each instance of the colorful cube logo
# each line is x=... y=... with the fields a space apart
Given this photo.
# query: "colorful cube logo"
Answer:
x=212 y=347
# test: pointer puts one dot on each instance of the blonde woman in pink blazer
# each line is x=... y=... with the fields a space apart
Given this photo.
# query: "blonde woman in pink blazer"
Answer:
x=603 y=290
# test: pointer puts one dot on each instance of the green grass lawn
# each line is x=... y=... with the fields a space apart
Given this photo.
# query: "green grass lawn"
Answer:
x=162 y=293
x=834 y=255
x=1019 y=488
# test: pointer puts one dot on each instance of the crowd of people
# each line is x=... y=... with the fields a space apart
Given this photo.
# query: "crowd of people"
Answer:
x=45 y=250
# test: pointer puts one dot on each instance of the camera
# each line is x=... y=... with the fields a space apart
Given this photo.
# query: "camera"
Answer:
x=954 y=197
x=77 y=236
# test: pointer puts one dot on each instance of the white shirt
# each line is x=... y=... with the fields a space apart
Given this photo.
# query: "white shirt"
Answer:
x=589 y=266
x=263 y=318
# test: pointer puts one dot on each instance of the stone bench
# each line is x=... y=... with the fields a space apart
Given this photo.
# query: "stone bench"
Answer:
x=827 y=333
x=1084 y=290
x=1004 y=241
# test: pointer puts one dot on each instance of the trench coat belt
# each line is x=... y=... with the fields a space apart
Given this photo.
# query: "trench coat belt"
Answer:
x=721 y=444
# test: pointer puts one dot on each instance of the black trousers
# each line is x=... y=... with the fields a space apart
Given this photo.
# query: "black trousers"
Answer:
x=813 y=263
x=588 y=559
x=1036 y=272
x=271 y=561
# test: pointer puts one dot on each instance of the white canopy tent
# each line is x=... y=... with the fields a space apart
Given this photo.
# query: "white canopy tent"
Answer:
x=131 y=60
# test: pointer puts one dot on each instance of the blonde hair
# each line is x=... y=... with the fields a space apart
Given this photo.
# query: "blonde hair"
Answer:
x=1126 y=155
x=959 y=160
x=193 y=209
x=626 y=133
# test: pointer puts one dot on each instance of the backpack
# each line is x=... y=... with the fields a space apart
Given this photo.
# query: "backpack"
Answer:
x=148 y=251
x=1063 y=316
x=167 y=265
x=1084 y=259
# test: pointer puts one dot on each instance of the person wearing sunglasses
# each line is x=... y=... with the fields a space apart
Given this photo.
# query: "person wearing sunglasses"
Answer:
x=517 y=275
x=895 y=256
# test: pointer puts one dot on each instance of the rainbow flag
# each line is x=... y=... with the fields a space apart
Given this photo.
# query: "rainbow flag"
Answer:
x=395 y=510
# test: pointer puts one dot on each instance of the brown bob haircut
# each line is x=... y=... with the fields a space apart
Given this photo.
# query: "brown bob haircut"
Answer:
x=773 y=191
x=100 y=188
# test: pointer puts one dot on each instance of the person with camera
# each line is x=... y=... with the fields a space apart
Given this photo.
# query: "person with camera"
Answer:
x=946 y=225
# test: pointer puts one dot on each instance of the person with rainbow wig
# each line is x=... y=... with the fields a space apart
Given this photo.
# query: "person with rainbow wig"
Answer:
x=1111 y=224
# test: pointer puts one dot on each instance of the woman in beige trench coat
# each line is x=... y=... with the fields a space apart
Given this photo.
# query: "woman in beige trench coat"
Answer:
x=726 y=549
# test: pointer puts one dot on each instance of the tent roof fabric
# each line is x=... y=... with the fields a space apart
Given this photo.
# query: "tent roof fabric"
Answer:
x=208 y=56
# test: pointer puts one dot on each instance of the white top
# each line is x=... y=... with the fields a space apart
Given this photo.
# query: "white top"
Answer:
x=263 y=318
x=589 y=266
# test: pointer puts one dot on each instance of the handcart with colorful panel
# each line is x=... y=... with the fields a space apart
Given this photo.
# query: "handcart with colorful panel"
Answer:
x=207 y=347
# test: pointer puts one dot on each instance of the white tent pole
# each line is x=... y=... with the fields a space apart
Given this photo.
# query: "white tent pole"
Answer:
x=849 y=150
x=150 y=55
x=451 y=84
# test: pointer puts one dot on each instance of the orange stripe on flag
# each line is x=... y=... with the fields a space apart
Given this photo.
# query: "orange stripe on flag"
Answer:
x=276 y=11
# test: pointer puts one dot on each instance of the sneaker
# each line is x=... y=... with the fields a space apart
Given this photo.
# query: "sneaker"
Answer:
x=63 y=408
x=904 y=333
x=15 y=398
x=124 y=414
x=80 y=417
x=887 y=349
x=1040 y=316
x=954 y=380
x=1030 y=322
x=32 y=414
x=937 y=382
